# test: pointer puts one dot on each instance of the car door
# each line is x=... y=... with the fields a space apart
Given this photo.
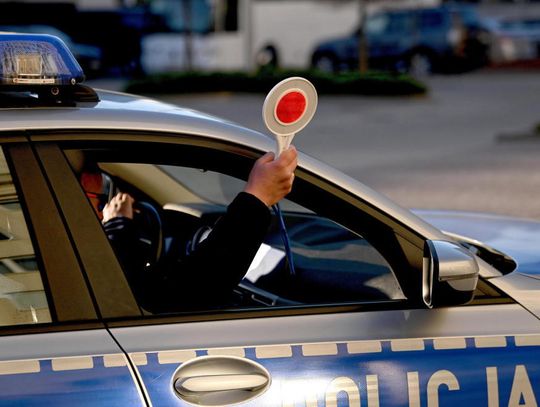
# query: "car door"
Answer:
x=53 y=347
x=378 y=350
x=435 y=30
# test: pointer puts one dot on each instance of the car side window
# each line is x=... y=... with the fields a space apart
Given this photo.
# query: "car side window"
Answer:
x=22 y=295
x=400 y=23
x=377 y=24
x=178 y=206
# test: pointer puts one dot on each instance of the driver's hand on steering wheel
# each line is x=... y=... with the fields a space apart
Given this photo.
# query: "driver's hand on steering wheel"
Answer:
x=270 y=180
x=120 y=205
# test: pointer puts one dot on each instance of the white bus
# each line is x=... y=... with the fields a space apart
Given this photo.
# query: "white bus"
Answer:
x=244 y=34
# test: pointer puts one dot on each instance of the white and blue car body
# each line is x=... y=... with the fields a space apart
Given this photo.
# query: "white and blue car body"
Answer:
x=384 y=308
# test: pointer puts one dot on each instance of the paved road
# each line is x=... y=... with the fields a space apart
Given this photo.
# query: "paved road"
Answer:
x=440 y=151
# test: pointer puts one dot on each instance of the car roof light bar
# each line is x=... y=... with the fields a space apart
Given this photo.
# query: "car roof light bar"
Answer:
x=37 y=60
x=42 y=65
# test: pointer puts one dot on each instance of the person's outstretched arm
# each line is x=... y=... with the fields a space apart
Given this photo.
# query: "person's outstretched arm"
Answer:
x=218 y=264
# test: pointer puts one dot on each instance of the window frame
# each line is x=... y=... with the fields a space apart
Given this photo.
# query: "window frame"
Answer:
x=110 y=289
x=70 y=303
x=223 y=147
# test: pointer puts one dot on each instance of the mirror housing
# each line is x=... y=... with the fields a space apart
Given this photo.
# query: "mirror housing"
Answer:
x=449 y=274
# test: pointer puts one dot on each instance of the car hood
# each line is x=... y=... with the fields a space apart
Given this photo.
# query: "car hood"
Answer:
x=518 y=238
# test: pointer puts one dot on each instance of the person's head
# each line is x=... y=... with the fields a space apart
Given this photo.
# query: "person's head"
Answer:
x=93 y=185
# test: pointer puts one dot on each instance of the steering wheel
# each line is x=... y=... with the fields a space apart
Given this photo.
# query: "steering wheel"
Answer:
x=148 y=221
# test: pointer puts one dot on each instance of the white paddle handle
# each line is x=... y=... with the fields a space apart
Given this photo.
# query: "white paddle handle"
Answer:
x=283 y=141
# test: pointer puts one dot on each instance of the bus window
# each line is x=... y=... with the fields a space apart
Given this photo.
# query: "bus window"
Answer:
x=183 y=16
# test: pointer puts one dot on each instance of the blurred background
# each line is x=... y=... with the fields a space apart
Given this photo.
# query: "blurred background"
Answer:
x=468 y=140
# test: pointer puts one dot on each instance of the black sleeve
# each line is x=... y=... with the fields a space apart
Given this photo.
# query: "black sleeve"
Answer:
x=123 y=234
x=207 y=276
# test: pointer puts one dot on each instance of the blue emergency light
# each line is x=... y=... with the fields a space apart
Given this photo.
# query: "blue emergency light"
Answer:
x=35 y=60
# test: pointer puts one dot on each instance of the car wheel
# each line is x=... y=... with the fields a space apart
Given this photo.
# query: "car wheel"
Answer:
x=420 y=65
x=267 y=58
x=325 y=63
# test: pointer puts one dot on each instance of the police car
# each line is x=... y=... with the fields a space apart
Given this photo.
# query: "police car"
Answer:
x=362 y=304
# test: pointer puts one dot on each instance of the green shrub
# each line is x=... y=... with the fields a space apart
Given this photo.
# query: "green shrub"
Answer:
x=371 y=83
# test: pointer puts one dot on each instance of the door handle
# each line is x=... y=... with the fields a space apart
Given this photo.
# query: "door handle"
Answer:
x=246 y=382
x=220 y=380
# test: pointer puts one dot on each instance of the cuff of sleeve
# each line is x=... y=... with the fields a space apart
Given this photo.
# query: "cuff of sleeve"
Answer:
x=118 y=222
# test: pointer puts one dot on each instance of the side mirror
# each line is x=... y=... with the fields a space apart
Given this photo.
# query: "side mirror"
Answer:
x=449 y=274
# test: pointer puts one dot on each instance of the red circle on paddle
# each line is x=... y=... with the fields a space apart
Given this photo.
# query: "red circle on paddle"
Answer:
x=291 y=107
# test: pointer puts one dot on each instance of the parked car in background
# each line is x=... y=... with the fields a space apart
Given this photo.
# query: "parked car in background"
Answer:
x=116 y=32
x=120 y=35
x=418 y=41
x=513 y=40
